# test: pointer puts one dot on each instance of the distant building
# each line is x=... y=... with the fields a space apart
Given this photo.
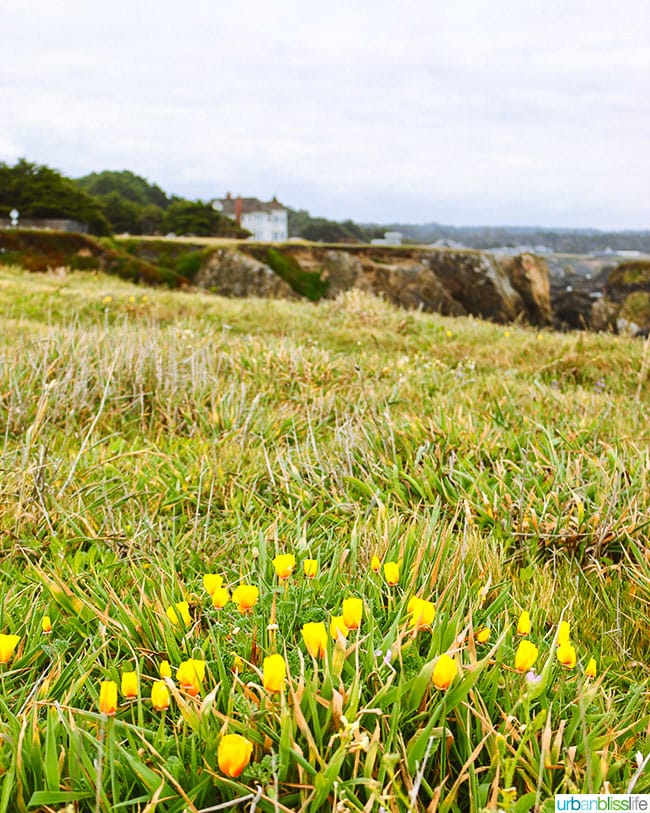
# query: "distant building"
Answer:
x=390 y=238
x=266 y=221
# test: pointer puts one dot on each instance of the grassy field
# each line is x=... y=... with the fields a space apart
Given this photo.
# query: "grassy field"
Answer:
x=152 y=438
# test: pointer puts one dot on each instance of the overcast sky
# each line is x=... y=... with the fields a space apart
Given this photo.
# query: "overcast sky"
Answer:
x=518 y=112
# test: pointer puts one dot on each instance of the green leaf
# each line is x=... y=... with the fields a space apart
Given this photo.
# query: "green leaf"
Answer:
x=40 y=798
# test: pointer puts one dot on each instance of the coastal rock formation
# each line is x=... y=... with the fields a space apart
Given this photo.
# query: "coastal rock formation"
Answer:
x=627 y=298
x=229 y=272
x=451 y=282
x=448 y=281
x=530 y=278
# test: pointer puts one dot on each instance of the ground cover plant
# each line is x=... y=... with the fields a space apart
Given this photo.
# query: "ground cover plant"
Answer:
x=289 y=556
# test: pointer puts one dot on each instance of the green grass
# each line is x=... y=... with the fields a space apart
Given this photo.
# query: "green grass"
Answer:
x=181 y=258
x=48 y=250
x=306 y=283
x=151 y=436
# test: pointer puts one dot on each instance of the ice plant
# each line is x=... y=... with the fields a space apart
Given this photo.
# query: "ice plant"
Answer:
x=159 y=696
x=422 y=613
x=310 y=567
x=391 y=573
x=211 y=581
x=523 y=625
x=165 y=669
x=190 y=675
x=274 y=671
x=129 y=685
x=245 y=597
x=525 y=656
x=483 y=635
x=46 y=624
x=179 y=612
x=352 y=612
x=108 y=697
x=338 y=628
x=314 y=635
x=590 y=671
x=563 y=633
x=284 y=564
x=233 y=754
x=220 y=597
x=7 y=645
x=444 y=672
x=566 y=654
x=375 y=564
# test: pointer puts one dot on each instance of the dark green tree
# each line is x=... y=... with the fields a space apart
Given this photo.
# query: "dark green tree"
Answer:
x=37 y=191
x=199 y=219
x=150 y=219
x=127 y=185
x=122 y=214
x=320 y=229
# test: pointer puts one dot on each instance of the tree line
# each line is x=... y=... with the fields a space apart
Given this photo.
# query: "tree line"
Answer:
x=112 y=202
x=107 y=202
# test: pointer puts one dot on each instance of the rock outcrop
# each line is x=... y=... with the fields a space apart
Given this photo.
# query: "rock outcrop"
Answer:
x=448 y=281
x=451 y=282
x=231 y=273
x=530 y=278
x=627 y=298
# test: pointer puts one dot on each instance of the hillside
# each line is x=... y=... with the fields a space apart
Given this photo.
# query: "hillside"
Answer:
x=255 y=548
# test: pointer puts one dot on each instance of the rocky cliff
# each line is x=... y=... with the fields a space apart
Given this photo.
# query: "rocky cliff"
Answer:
x=441 y=280
x=448 y=281
x=625 y=306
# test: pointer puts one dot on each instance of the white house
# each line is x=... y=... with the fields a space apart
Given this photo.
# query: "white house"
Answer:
x=390 y=238
x=265 y=221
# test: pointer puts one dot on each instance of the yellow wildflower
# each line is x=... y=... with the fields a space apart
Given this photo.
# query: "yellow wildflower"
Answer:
x=391 y=573
x=179 y=611
x=338 y=627
x=525 y=656
x=245 y=597
x=108 y=697
x=314 y=635
x=233 y=754
x=190 y=675
x=211 y=581
x=220 y=597
x=523 y=625
x=483 y=635
x=160 y=696
x=129 y=684
x=444 y=672
x=422 y=613
x=274 y=672
x=284 y=564
x=352 y=612
x=566 y=654
x=7 y=645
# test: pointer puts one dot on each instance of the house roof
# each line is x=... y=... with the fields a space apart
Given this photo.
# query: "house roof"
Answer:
x=248 y=205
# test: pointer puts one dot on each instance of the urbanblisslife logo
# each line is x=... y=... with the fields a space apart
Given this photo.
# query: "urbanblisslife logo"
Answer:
x=606 y=802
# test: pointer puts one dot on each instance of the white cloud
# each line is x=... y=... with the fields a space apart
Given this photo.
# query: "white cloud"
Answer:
x=484 y=111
